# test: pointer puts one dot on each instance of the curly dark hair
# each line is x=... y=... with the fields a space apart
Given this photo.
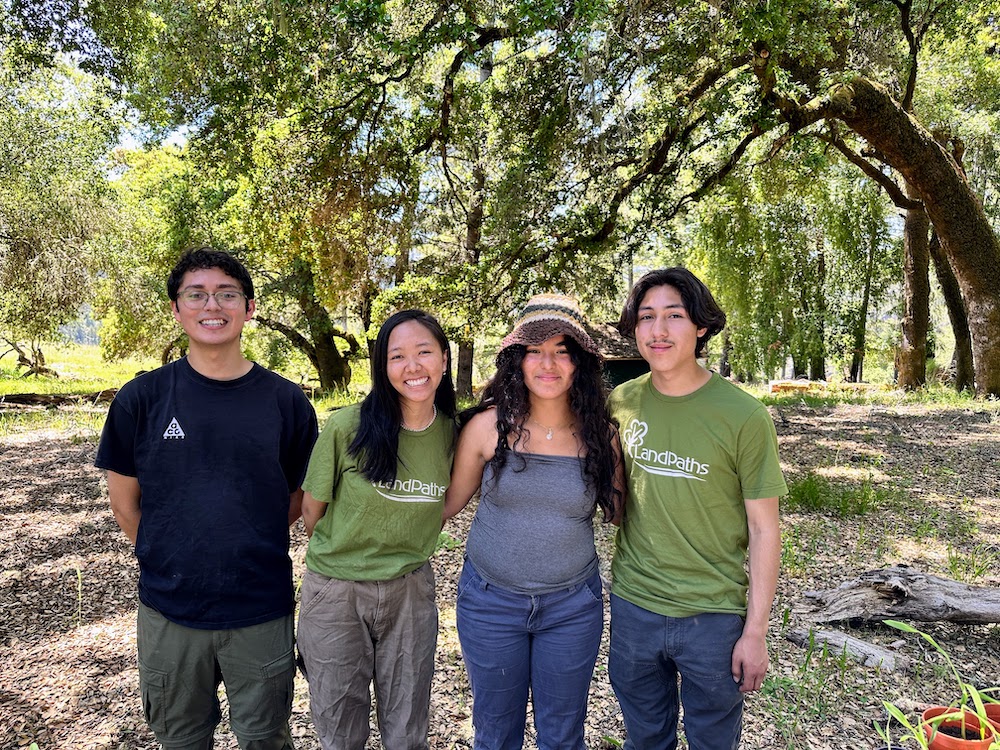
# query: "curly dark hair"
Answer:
x=588 y=401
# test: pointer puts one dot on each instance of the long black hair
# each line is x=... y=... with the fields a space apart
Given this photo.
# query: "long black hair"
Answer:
x=587 y=400
x=376 y=443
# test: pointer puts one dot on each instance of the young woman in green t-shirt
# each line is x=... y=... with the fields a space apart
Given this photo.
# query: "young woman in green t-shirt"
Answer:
x=374 y=493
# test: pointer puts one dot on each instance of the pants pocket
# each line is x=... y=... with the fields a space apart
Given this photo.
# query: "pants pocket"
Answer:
x=280 y=675
x=153 y=688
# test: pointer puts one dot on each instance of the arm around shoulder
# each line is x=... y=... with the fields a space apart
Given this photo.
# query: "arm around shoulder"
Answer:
x=476 y=445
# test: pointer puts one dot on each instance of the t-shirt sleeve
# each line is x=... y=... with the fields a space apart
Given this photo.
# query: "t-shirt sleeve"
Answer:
x=324 y=463
x=300 y=443
x=758 y=464
x=116 y=451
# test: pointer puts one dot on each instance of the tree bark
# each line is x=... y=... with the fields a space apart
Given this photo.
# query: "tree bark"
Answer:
x=912 y=359
x=473 y=236
x=961 y=361
x=725 y=369
x=861 y=324
x=463 y=372
x=967 y=239
x=817 y=359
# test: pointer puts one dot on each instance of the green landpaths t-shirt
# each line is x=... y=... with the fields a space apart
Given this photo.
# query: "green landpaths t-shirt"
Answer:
x=691 y=462
x=377 y=532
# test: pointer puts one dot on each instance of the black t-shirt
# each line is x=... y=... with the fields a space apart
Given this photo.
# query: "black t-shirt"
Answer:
x=216 y=462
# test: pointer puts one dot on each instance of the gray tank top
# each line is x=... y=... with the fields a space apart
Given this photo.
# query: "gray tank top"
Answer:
x=533 y=531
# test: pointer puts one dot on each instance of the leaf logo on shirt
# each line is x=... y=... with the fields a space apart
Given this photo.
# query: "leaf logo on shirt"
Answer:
x=633 y=435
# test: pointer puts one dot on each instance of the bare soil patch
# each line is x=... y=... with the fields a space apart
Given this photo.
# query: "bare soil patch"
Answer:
x=68 y=676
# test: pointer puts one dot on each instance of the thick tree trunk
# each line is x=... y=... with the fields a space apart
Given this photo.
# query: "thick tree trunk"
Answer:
x=967 y=239
x=961 y=361
x=912 y=359
x=817 y=362
x=473 y=236
x=463 y=373
x=799 y=370
x=861 y=324
x=725 y=368
x=332 y=366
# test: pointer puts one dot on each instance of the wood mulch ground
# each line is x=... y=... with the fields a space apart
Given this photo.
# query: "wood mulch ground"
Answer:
x=68 y=676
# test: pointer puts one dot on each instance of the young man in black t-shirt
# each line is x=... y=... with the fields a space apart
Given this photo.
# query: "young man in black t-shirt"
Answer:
x=204 y=459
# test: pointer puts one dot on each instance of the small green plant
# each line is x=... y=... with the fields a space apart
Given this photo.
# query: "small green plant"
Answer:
x=978 y=562
x=815 y=691
x=813 y=492
x=447 y=541
x=800 y=545
x=971 y=700
x=817 y=493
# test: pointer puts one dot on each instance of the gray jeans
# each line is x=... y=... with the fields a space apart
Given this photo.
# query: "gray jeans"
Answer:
x=351 y=632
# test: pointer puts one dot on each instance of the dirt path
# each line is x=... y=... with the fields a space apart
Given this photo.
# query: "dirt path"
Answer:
x=68 y=677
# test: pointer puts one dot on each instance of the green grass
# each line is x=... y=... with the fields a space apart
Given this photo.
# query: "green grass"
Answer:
x=970 y=566
x=81 y=369
x=817 y=494
x=934 y=396
x=816 y=692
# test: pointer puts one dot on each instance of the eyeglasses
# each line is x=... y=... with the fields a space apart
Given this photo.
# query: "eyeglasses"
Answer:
x=228 y=299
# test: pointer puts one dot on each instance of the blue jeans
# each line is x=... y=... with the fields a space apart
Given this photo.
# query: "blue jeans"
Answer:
x=647 y=653
x=511 y=642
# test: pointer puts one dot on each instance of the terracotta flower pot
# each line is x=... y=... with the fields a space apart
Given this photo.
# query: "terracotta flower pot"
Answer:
x=939 y=740
x=993 y=714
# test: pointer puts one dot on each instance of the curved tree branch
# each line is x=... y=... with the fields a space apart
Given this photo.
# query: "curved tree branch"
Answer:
x=895 y=193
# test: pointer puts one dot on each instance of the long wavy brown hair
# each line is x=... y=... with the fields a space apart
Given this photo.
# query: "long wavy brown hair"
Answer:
x=588 y=401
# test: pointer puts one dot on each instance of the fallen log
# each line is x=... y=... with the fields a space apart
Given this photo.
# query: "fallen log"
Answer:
x=868 y=654
x=903 y=592
x=59 y=399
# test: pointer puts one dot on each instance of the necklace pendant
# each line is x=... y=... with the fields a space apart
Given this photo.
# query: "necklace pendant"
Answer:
x=548 y=435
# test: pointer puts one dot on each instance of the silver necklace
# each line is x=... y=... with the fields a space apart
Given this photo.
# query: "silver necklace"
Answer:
x=421 y=429
x=549 y=430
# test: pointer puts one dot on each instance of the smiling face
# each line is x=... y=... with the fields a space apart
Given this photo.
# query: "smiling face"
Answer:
x=666 y=336
x=416 y=363
x=211 y=325
x=548 y=368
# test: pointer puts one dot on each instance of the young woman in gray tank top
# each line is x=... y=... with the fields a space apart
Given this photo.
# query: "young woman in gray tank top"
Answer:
x=544 y=454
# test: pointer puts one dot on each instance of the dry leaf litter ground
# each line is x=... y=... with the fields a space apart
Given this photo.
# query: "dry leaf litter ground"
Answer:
x=68 y=676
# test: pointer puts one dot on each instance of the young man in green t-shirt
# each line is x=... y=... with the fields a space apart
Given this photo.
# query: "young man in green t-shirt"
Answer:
x=704 y=480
